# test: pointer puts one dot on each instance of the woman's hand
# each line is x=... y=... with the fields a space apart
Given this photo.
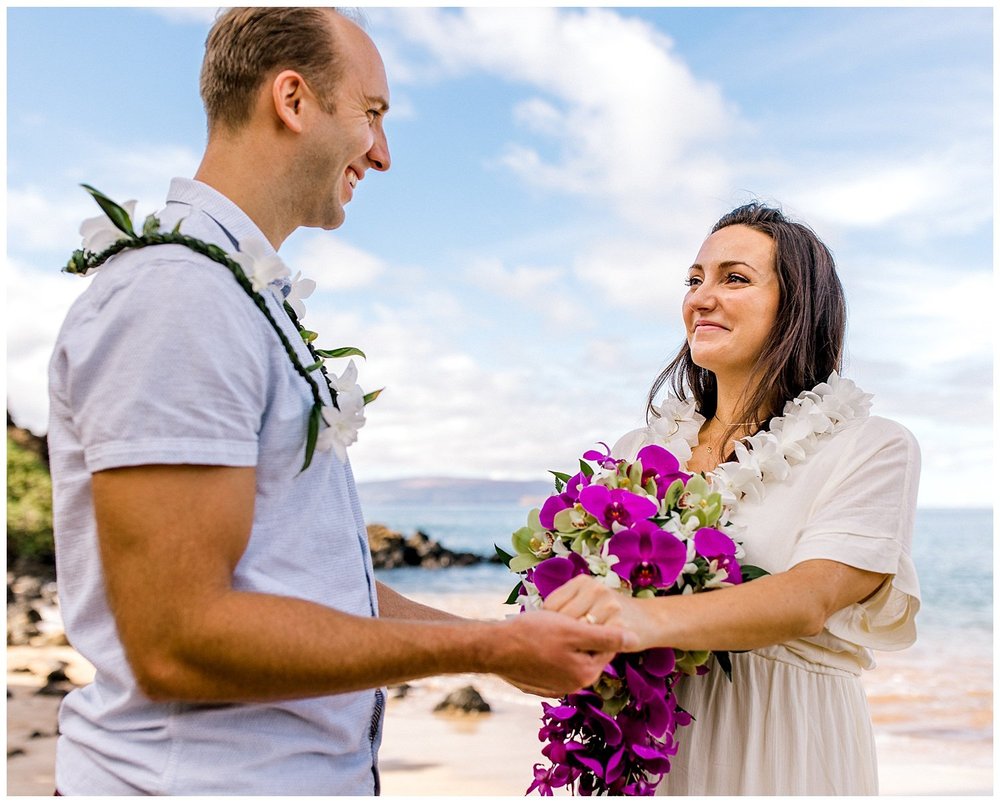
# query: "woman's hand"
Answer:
x=588 y=599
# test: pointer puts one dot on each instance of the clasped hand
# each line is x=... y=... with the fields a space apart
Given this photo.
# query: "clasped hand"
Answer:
x=589 y=599
x=553 y=654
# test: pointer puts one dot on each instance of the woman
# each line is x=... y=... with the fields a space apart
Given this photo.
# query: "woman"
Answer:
x=822 y=496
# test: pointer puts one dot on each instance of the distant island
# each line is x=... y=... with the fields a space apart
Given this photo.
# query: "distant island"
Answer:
x=455 y=491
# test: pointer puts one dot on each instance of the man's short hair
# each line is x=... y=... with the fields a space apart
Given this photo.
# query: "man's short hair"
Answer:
x=247 y=45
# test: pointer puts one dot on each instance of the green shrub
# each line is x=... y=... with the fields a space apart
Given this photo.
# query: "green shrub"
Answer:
x=29 y=508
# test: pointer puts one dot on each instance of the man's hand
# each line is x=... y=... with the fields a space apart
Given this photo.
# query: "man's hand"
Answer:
x=551 y=655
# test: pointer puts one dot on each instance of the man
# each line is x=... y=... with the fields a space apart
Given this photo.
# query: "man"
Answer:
x=225 y=597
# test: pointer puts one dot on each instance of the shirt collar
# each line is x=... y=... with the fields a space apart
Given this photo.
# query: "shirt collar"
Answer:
x=201 y=196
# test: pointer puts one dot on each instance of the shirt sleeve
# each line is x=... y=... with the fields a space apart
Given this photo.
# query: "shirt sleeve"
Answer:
x=168 y=364
x=863 y=517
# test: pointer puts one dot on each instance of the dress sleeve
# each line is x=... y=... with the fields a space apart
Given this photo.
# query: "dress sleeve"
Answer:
x=167 y=366
x=863 y=517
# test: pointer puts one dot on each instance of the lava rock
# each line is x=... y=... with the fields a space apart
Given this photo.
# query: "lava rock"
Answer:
x=466 y=700
x=391 y=550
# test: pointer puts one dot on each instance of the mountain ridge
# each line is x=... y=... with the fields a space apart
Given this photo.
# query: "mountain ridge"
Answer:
x=454 y=491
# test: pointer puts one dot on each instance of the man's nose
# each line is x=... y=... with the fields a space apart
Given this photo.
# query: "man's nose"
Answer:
x=378 y=154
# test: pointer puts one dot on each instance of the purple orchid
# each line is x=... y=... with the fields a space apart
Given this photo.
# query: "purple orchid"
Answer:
x=714 y=545
x=593 y=752
x=552 y=573
x=559 y=502
x=612 y=506
x=662 y=466
x=648 y=557
x=659 y=661
x=603 y=459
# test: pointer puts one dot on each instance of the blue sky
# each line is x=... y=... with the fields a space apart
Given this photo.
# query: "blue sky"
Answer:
x=516 y=277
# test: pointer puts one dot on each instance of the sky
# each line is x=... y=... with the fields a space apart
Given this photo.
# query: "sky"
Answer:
x=516 y=277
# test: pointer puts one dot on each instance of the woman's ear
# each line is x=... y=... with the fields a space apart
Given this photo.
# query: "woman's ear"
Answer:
x=288 y=91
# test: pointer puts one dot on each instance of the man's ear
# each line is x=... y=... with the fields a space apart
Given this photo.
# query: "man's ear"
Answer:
x=288 y=91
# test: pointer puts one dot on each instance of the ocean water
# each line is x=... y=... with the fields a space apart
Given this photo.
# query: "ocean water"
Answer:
x=952 y=550
x=931 y=704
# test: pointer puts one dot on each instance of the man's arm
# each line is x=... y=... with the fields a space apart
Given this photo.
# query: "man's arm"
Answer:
x=393 y=605
x=170 y=539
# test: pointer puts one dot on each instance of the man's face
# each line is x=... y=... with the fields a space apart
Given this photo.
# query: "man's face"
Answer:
x=344 y=144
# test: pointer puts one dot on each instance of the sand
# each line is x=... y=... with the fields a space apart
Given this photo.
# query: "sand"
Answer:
x=927 y=745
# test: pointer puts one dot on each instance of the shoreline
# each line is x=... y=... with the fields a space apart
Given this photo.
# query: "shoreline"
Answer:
x=932 y=738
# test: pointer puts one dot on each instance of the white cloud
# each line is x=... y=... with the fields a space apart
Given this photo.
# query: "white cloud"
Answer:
x=334 y=263
x=640 y=275
x=629 y=122
x=542 y=290
x=204 y=15
x=37 y=303
x=922 y=196
x=38 y=221
x=46 y=217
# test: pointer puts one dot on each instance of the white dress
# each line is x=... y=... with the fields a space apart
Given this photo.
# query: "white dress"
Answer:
x=795 y=719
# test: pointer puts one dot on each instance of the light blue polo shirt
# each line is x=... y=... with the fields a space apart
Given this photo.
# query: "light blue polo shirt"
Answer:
x=165 y=359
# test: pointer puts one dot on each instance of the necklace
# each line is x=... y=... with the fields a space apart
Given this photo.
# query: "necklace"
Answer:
x=710 y=448
x=737 y=423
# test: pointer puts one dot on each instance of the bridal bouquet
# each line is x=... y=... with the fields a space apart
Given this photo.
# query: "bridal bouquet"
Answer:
x=647 y=529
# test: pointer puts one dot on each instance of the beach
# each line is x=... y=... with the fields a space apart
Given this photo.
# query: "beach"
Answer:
x=932 y=710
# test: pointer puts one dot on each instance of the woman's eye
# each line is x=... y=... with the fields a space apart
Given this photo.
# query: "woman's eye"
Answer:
x=692 y=281
x=736 y=277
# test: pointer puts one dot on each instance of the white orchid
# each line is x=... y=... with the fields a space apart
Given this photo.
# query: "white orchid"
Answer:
x=99 y=233
x=300 y=289
x=344 y=420
x=260 y=263
x=677 y=427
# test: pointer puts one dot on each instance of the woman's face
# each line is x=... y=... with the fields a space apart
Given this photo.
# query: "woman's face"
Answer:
x=731 y=306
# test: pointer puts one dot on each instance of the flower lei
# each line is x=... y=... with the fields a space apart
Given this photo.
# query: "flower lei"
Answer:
x=254 y=270
x=766 y=455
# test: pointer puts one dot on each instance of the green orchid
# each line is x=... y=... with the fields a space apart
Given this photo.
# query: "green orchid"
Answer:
x=699 y=501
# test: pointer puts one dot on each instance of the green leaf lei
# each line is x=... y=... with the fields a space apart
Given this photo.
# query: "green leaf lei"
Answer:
x=82 y=262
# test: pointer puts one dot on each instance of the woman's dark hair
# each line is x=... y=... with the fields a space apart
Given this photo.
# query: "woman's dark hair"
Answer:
x=808 y=335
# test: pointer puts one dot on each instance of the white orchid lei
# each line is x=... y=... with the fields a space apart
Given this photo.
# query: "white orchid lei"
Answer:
x=766 y=455
x=256 y=270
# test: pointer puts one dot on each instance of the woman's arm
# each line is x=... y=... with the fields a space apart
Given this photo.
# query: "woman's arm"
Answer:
x=769 y=610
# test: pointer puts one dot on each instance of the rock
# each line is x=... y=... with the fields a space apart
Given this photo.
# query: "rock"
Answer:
x=33 y=616
x=391 y=549
x=57 y=683
x=400 y=691
x=26 y=588
x=464 y=701
x=22 y=624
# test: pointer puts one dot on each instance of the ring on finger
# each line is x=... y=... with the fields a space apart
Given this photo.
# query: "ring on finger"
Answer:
x=590 y=619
